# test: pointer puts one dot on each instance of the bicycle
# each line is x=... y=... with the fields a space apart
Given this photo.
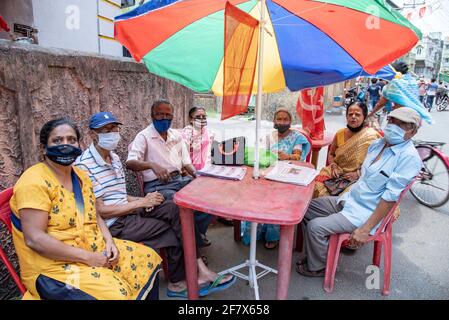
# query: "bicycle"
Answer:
x=431 y=187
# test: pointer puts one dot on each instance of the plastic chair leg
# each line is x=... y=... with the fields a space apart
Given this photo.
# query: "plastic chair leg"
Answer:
x=237 y=231
x=377 y=253
x=387 y=263
x=12 y=272
x=299 y=239
x=333 y=253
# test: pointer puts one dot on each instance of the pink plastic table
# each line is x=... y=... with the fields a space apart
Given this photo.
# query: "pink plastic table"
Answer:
x=318 y=144
x=261 y=201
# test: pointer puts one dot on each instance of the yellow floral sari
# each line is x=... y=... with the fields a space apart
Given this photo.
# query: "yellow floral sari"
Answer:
x=38 y=188
x=349 y=156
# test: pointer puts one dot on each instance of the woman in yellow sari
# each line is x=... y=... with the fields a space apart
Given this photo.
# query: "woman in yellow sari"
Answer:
x=65 y=249
x=348 y=149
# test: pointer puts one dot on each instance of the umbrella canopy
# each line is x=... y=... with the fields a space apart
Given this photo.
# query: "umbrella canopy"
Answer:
x=307 y=43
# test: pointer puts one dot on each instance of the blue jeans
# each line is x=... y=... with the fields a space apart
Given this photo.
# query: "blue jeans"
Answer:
x=168 y=190
x=430 y=101
x=372 y=103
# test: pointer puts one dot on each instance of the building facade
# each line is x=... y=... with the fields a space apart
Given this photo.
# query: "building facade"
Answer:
x=445 y=56
x=82 y=25
x=428 y=55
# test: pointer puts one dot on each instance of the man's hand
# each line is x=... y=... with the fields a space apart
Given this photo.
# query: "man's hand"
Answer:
x=351 y=176
x=162 y=174
x=152 y=199
x=359 y=237
x=283 y=156
x=190 y=169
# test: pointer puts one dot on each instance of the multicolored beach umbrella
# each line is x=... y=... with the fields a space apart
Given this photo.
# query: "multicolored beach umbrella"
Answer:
x=307 y=43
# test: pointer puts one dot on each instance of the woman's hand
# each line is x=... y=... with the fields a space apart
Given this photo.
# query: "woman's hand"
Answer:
x=334 y=170
x=283 y=156
x=351 y=176
x=112 y=253
x=95 y=259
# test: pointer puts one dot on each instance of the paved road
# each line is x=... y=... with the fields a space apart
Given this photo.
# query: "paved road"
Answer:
x=420 y=245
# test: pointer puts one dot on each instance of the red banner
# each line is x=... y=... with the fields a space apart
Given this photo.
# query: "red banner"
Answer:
x=240 y=58
x=310 y=108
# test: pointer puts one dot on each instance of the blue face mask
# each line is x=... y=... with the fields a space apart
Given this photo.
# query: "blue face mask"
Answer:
x=162 y=126
x=394 y=134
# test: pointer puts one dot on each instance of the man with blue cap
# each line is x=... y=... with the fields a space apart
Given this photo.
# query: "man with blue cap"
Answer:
x=151 y=220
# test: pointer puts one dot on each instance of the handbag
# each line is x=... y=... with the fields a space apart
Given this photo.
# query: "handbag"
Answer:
x=229 y=152
x=266 y=157
x=336 y=186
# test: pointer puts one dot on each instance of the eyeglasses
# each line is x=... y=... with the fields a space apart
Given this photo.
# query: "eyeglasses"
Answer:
x=200 y=117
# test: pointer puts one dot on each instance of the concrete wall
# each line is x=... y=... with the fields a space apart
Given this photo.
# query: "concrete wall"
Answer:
x=38 y=84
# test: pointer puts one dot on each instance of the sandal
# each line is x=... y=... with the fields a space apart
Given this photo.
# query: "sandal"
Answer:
x=270 y=245
x=217 y=286
x=202 y=292
x=304 y=270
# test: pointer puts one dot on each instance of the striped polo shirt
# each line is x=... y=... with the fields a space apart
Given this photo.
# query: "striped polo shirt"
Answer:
x=108 y=180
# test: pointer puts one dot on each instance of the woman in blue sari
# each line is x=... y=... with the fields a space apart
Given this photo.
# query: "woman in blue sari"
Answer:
x=287 y=144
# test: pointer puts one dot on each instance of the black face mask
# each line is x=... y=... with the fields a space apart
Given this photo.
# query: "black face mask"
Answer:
x=356 y=129
x=282 y=128
x=64 y=154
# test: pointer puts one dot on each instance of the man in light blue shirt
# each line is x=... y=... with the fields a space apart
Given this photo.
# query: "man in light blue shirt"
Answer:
x=390 y=165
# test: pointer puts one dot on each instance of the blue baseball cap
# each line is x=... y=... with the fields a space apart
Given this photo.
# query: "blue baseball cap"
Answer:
x=101 y=119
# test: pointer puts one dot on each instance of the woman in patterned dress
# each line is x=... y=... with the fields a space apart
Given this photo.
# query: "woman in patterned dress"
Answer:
x=65 y=249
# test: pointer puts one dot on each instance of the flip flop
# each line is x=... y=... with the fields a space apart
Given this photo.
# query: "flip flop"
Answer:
x=303 y=270
x=202 y=292
x=217 y=286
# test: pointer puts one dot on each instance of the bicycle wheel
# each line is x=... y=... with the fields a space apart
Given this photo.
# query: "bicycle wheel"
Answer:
x=431 y=188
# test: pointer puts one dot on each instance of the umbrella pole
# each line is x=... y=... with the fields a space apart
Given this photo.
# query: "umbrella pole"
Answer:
x=259 y=88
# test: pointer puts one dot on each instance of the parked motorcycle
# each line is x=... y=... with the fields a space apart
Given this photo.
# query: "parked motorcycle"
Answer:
x=443 y=102
x=353 y=94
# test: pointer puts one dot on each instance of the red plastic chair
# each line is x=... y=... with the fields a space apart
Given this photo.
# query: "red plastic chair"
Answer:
x=5 y=217
x=162 y=252
x=382 y=237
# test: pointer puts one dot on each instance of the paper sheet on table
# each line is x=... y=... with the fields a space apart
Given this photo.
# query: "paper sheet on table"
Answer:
x=223 y=172
x=290 y=173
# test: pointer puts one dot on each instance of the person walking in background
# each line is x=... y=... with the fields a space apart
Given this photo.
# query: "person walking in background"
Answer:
x=431 y=93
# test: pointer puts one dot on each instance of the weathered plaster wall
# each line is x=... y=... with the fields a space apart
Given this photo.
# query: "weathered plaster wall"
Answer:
x=38 y=84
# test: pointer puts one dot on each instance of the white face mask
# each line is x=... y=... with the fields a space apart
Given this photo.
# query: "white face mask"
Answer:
x=200 y=123
x=108 y=141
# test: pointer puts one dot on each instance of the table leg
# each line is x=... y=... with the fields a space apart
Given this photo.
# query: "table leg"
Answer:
x=189 y=245
x=285 y=261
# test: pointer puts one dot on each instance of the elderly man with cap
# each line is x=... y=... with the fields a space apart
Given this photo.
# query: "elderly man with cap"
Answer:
x=150 y=219
x=390 y=165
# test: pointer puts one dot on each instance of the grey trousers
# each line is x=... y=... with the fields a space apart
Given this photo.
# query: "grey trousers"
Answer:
x=322 y=219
